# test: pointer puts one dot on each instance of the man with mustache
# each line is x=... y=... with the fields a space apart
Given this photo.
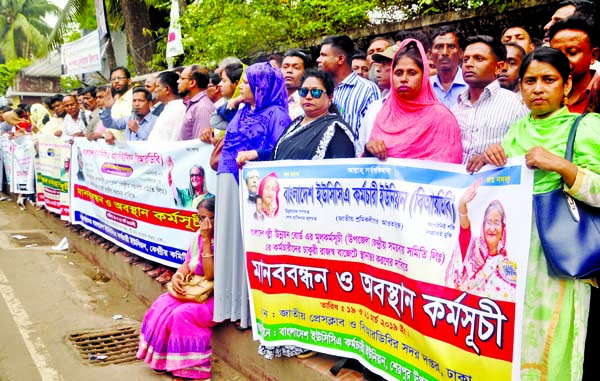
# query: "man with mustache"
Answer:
x=137 y=126
x=484 y=110
x=121 y=91
x=192 y=85
x=575 y=37
x=74 y=123
x=445 y=53
x=509 y=76
x=293 y=66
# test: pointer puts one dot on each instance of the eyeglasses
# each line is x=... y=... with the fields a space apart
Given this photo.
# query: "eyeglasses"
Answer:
x=493 y=224
x=115 y=79
x=315 y=93
x=196 y=175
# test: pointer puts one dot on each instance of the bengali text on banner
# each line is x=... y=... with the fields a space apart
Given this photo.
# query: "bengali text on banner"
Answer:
x=417 y=269
x=140 y=195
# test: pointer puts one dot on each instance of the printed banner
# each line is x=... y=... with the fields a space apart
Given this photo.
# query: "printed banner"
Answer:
x=53 y=173
x=82 y=56
x=140 y=195
x=2 y=162
x=7 y=158
x=23 y=171
x=174 y=44
x=414 y=268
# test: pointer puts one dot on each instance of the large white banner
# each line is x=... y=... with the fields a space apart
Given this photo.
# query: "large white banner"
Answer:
x=82 y=56
x=415 y=268
x=139 y=195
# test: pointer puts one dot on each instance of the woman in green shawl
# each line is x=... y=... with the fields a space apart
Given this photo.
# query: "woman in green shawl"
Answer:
x=556 y=310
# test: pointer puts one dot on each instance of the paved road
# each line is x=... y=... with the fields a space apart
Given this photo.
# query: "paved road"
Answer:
x=47 y=295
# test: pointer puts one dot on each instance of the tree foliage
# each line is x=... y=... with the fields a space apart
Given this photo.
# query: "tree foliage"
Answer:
x=8 y=72
x=214 y=29
x=23 y=31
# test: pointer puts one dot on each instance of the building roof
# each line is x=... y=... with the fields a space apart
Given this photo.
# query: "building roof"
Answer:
x=49 y=66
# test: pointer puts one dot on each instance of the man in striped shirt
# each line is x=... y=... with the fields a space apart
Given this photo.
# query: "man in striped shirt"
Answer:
x=484 y=111
x=352 y=94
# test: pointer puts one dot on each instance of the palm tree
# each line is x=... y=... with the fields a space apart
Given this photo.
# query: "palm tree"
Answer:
x=23 y=31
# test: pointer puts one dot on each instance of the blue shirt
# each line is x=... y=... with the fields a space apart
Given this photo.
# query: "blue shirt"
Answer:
x=451 y=97
x=352 y=96
x=144 y=126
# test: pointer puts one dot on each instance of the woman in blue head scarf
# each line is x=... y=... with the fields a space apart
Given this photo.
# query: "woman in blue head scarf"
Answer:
x=250 y=135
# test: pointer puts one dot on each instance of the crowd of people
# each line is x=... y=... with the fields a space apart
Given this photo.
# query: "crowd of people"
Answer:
x=472 y=101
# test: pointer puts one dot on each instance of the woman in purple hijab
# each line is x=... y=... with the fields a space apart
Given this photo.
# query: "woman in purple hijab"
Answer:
x=251 y=135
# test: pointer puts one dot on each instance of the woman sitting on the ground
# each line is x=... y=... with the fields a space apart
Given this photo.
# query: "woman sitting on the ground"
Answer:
x=175 y=335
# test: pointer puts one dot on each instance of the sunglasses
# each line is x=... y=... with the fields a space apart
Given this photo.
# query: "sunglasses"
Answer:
x=315 y=93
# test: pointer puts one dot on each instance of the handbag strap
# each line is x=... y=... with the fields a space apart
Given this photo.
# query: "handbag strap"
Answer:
x=571 y=141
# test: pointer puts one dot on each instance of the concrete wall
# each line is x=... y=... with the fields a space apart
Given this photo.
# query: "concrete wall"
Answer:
x=532 y=14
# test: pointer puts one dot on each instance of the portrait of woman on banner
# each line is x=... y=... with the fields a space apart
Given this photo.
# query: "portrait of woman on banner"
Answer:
x=480 y=265
x=268 y=191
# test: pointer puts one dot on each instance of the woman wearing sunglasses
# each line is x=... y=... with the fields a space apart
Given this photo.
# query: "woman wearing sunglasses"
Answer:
x=412 y=123
x=321 y=133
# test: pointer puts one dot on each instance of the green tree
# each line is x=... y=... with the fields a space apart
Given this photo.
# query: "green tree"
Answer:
x=132 y=15
x=23 y=31
x=214 y=29
x=8 y=72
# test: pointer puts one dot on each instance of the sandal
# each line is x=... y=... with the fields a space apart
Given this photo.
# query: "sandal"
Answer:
x=156 y=272
x=306 y=355
x=237 y=325
x=165 y=277
x=144 y=265
x=159 y=371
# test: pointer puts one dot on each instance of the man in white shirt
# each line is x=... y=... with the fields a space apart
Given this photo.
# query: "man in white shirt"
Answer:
x=74 y=123
x=168 y=125
x=484 y=111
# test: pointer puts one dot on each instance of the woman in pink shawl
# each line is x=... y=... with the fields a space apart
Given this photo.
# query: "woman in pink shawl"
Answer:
x=175 y=335
x=412 y=123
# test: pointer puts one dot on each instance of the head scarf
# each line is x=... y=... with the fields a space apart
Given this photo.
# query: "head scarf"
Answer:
x=267 y=85
x=236 y=92
x=421 y=128
x=258 y=128
x=38 y=112
x=261 y=188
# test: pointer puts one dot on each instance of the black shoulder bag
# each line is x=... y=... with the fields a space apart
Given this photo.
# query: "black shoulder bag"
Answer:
x=569 y=229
